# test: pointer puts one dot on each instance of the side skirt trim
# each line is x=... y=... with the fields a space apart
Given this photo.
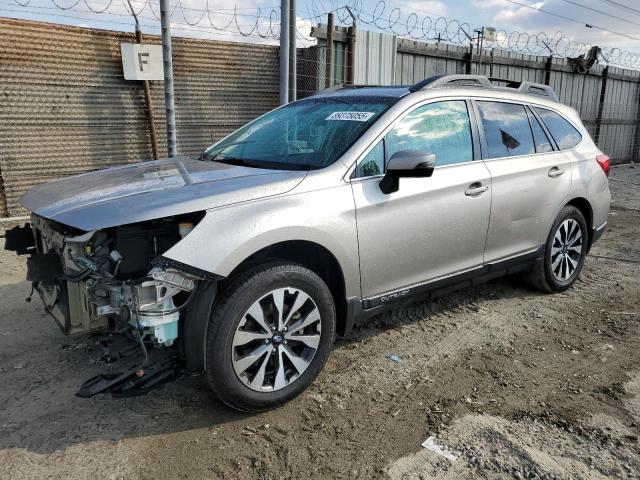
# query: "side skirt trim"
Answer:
x=466 y=279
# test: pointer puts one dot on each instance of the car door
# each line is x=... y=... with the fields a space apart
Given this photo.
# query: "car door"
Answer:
x=431 y=227
x=530 y=179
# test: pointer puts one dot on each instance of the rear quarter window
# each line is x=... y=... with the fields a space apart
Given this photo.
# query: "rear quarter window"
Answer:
x=540 y=138
x=565 y=134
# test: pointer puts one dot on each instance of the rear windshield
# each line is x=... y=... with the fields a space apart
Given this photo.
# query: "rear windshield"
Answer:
x=305 y=135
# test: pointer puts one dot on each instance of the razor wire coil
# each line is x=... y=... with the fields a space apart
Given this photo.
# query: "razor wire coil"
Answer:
x=264 y=22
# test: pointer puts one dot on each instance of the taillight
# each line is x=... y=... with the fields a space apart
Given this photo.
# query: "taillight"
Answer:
x=605 y=163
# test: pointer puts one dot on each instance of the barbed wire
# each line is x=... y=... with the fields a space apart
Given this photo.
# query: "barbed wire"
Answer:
x=432 y=27
x=264 y=22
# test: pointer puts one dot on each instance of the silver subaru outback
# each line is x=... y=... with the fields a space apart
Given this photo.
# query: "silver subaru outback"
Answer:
x=250 y=260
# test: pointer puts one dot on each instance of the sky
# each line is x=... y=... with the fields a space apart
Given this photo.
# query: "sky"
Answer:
x=615 y=23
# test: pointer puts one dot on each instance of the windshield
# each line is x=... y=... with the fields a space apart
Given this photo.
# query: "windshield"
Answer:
x=305 y=135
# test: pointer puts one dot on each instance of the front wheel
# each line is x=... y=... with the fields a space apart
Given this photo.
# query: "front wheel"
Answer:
x=269 y=336
x=564 y=255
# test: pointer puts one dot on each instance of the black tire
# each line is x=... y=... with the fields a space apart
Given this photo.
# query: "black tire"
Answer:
x=542 y=276
x=229 y=310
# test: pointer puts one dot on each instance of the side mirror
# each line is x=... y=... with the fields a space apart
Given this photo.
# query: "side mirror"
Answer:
x=406 y=163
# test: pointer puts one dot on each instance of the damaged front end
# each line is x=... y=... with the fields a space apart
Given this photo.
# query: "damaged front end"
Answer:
x=112 y=279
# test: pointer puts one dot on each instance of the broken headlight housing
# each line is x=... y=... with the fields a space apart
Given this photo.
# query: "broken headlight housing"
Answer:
x=107 y=279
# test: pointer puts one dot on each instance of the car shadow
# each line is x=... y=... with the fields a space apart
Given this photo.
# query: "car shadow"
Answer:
x=424 y=307
x=42 y=370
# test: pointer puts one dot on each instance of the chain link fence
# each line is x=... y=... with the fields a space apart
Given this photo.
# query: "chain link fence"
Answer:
x=66 y=108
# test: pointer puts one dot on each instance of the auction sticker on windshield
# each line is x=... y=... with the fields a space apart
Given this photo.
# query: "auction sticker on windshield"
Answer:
x=352 y=116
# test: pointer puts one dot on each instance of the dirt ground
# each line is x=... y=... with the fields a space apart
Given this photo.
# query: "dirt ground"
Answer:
x=507 y=382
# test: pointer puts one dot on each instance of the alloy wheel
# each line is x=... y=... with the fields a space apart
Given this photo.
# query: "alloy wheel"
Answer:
x=566 y=250
x=276 y=339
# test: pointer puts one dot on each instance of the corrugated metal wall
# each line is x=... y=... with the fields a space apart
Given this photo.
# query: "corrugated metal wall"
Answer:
x=415 y=63
x=620 y=128
x=65 y=107
x=375 y=58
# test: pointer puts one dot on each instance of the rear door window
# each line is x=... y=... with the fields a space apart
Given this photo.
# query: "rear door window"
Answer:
x=506 y=128
x=540 y=138
x=565 y=134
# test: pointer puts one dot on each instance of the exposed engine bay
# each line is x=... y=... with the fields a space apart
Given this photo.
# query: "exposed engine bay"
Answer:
x=113 y=279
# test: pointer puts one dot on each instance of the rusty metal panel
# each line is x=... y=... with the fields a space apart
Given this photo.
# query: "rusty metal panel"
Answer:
x=65 y=107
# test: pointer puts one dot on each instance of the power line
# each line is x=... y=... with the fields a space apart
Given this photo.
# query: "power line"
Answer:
x=586 y=7
x=564 y=17
x=622 y=6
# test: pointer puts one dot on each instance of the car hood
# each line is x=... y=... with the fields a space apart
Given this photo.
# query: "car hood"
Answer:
x=155 y=189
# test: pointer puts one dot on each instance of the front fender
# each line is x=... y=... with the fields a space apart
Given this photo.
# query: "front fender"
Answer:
x=227 y=236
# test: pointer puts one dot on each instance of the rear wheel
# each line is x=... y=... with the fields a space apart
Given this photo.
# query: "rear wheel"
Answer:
x=564 y=255
x=269 y=336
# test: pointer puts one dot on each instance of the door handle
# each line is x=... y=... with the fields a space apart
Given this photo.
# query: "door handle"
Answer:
x=555 y=172
x=476 y=189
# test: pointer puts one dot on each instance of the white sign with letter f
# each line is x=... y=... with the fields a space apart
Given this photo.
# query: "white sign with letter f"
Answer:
x=141 y=62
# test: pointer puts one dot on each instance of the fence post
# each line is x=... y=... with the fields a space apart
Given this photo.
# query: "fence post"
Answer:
x=468 y=58
x=329 y=55
x=148 y=104
x=293 y=52
x=603 y=92
x=635 y=153
x=491 y=63
x=284 y=52
x=351 y=46
x=147 y=91
x=150 y=119
x=4 y=208
x=547 y=70
x=394 y=60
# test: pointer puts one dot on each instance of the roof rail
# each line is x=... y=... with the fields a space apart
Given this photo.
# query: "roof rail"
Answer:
x=480 y=81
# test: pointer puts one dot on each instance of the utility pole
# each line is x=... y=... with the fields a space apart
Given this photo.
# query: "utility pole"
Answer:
x=170 y=110
x=293 y=82
x=284 y=51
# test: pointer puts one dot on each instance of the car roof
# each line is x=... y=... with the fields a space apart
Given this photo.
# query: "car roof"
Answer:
x=445 y=83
